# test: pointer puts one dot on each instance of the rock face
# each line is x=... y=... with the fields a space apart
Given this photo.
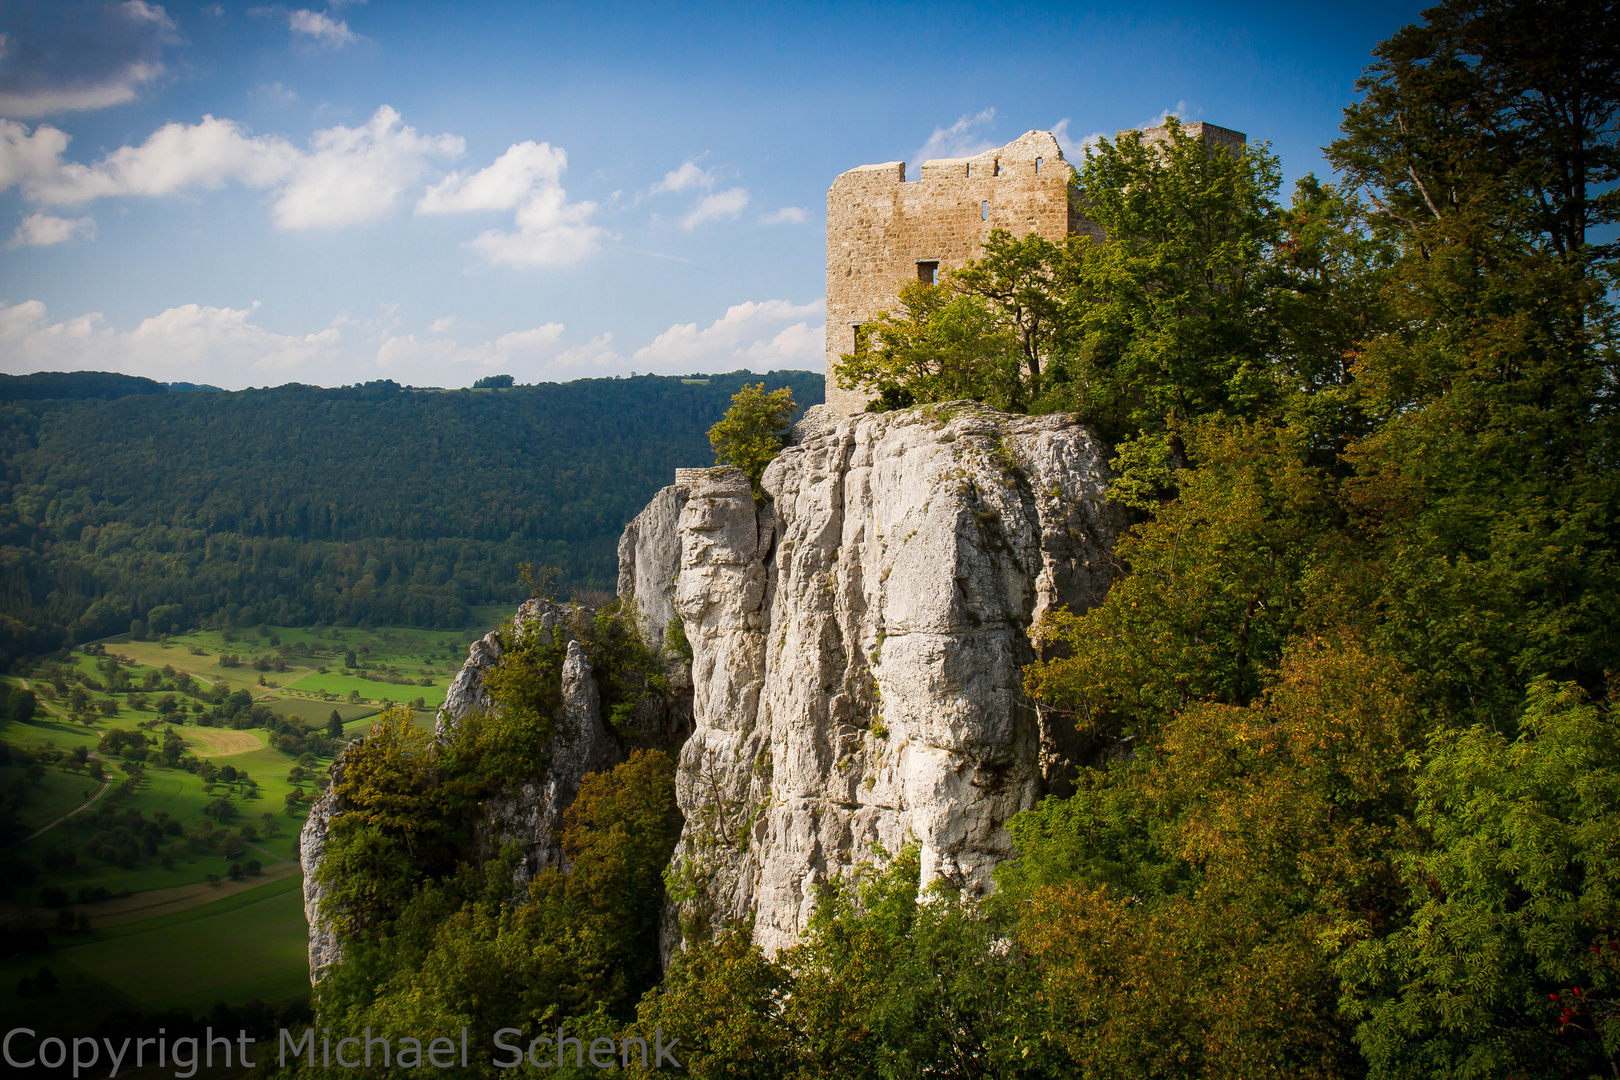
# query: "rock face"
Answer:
x=649 y=560
x=857 y=644
x=531 y=812
x=324 y=947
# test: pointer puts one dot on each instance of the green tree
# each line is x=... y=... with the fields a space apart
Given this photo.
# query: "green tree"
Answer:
x=23 y=705
x=754 y=429
x=1508 y=962
x=334 y=725
x=941 y=344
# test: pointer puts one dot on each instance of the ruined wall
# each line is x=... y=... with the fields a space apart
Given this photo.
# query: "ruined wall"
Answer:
x=880 y=227
x=883 y=231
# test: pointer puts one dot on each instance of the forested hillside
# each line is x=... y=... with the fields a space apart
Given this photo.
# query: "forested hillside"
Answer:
x=298 y=505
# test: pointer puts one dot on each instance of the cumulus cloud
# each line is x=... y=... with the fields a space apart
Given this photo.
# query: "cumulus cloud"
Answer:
x=961 y=139
x=43 y=230
x=190 y=343
x=720 y=205
x=229 y=347
x=683 y=178
x=788 y=215
x=1073 y=149
x=527 y=178
x=357 y=174
x=82 y=56
x=322 y=28
x=762 y=336
x=442 y=362
x=347 y=176
x=739 y=336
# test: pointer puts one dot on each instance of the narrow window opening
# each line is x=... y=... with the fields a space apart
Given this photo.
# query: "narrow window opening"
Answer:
x=970 y=168
x=1037 y=166
x=997 y=170
x=859 y=345
x=984 y=210
x=928 y=271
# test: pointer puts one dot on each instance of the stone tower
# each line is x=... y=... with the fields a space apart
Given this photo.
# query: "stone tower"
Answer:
x=883 y=231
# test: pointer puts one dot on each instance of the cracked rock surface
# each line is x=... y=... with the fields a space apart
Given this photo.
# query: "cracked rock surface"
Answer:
x=857 y=644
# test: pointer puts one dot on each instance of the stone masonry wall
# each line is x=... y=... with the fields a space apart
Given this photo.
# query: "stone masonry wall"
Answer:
x=881 y=229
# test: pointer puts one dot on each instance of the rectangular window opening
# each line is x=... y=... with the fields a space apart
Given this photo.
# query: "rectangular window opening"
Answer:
x=1037 y=166
x=859 y=345
x=928 y=271
x=997 y=170
x=984 y=210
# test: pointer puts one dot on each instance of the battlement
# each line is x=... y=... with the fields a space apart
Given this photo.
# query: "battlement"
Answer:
x=884 y=230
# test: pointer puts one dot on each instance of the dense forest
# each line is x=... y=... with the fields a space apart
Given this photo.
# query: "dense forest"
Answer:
x=131 y=504
x=1355 y=810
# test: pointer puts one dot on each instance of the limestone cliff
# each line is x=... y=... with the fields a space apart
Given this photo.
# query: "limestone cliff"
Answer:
x=856 y=647
x=531 y=812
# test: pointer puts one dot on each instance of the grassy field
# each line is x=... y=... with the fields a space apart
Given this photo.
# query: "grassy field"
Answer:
x=305 y=692
x=49 y=797
x=253 y=944
x=205 y=948
x=246 y=945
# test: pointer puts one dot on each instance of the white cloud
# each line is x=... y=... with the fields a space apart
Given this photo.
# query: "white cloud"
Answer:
x=1074 y=150
x=442 y=362
x=738 y=336
x=322 y=27
x=141 y=12
x=114 y=90
x=175 y=156
x=687 y=176
x=227 y=347
x=722 y=204
x=43 y=230
x=501 y=186
x=1180 y=110
x=276 y=92
x=348 y=175
x=551 y=231
x=186 y=343
x=958 y=140
x=788 y=215
x=357 y=174
x=99 y=59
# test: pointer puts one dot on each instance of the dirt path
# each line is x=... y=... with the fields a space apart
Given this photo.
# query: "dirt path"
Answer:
x=154 y=902
x=273 y=855
x=105 y=784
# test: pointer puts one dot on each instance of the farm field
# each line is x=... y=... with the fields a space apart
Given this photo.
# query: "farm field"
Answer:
x=253 y=944
x=201 y=765
x=246 y=944
x=53 y=794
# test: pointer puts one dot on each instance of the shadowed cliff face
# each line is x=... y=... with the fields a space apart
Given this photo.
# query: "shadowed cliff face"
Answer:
x=530 y=812
x=857 y=645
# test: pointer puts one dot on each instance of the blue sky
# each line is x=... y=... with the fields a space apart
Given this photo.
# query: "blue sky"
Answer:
x=253 y=194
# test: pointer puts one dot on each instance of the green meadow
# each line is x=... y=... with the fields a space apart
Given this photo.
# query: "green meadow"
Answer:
x=203 y=945
x=249 y=945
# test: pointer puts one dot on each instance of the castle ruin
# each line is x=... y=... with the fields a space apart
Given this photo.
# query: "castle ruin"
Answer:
x=883 y=230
